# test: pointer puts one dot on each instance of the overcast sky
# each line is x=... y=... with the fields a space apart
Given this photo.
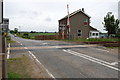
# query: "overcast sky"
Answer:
x=43 y=15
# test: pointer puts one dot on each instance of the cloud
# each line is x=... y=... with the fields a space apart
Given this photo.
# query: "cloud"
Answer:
x=34 y=14
x=48 y=19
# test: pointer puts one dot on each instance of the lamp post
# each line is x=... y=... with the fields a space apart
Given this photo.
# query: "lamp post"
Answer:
x=19 y=29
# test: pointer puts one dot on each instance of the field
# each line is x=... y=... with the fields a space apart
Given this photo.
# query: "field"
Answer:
x=32 y=35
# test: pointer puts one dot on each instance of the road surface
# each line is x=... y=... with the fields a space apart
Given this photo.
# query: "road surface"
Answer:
x=67 y=60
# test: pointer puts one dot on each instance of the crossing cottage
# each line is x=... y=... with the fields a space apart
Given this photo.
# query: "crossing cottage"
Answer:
x=79 y=26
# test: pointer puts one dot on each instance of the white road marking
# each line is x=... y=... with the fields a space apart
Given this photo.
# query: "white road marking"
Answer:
x=44 y=43
x=104 y=63
x=8 y=53
x=34 y=57
x=41 y=64
x=18 y=42
x=26 y=48
x=90 y=57
x=102 y=50
x=115 y=63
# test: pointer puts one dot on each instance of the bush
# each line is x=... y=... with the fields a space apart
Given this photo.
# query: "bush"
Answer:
x=8 y=38
x=25 y=35
x=103 y=39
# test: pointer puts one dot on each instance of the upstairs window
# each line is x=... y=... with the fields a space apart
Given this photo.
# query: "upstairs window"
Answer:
x=79 y=32
x=86 y=22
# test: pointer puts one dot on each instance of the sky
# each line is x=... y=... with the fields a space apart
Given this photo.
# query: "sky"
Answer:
x=43 y=15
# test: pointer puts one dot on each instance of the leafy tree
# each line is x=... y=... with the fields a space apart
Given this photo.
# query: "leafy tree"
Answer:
x=26 y=35
x=15 y=30
x=11 y=31
x=111 y=24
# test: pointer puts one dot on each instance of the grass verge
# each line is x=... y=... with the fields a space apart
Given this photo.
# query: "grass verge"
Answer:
x=14 y=75
x=92 y=40
x=18 y=67
x=32 y=35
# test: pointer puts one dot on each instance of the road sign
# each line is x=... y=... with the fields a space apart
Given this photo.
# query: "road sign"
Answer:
x=1 y=11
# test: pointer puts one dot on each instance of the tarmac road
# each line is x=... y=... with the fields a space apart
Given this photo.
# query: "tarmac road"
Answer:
x=67 y=60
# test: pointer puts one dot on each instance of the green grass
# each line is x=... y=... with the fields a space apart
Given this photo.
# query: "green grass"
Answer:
x=113 y=47
x=18 y=67
x=36 y=34
x=92 y=40
x=14 y=75
x=102 y=39
x=9 y=40
x=32 y=35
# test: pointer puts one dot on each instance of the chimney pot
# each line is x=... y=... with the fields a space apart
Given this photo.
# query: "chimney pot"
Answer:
x=83 y=10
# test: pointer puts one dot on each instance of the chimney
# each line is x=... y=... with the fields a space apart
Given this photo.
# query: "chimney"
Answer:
x=83 y=10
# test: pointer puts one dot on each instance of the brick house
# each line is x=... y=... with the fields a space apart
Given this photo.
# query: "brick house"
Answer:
x=79 y=26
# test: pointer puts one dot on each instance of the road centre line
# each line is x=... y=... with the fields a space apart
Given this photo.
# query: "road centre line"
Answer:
x=34 y=57
x=92 y=59
x=114 y=63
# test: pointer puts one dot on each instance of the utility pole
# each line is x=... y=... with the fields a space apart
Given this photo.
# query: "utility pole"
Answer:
x=68 y=22
x=3 y=55
x=19 y=29
x=1 y=20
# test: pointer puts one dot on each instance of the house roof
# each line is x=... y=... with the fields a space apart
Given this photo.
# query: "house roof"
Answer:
x=92 y=29
x=76 y=13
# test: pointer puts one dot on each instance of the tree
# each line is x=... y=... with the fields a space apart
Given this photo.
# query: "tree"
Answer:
x=15 y=30
x=111 y=24
x=11 y=31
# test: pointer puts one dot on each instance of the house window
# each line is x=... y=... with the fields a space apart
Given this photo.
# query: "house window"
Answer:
x=79 y=33
x=96 y=34
x=93 y=34
x=90 y=34
x=86 y=22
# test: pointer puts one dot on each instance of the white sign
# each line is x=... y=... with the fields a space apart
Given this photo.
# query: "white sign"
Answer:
x=1 y=11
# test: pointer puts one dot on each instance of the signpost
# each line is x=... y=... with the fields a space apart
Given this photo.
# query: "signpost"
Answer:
x=1 y=11
x=1 y=20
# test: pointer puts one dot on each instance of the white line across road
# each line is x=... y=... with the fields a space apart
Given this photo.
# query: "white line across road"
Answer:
x=34 y=57
x=101 y=62
x=101 y=49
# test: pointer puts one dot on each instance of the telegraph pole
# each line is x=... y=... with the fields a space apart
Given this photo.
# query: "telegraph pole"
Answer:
x=68 y=22
x=3 y=54
x=1 y=20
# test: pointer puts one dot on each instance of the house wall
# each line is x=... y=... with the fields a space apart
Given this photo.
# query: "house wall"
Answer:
x=94 y=34
x=63 y=32
x=0 y=38
x=77 y=23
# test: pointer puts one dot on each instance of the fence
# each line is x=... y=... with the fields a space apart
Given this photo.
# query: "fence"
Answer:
x=53 y=37
x=50 y=37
